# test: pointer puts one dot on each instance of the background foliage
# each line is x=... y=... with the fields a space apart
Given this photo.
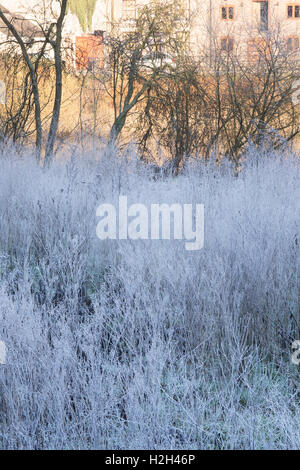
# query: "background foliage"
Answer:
x=84 y=10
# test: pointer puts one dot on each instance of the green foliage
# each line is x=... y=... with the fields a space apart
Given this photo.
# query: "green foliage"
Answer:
x=84 y=10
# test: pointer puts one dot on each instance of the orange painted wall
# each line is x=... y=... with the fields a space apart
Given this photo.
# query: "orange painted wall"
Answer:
x=89 y=51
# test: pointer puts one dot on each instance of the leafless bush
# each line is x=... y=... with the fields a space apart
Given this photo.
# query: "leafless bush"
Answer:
x=141 y=344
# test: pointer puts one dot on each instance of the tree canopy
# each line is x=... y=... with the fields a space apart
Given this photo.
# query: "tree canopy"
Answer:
x=84 y=10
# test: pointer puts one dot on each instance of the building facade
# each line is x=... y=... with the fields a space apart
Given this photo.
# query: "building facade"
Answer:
x=227 y=24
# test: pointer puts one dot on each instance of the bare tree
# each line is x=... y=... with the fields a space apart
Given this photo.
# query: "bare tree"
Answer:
x=56 y=43
x=16 y=112
x=49 y=34
x=253 y=95
x=220 y=107
x=174 y=115
x=140 y=57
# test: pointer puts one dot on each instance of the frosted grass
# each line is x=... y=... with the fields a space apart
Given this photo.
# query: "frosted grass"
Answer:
x=141 y=344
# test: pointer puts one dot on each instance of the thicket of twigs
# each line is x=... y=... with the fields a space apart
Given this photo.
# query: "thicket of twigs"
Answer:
x=142 y=344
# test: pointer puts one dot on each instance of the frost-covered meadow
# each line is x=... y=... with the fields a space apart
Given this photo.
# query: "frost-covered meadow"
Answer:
x=142 y=344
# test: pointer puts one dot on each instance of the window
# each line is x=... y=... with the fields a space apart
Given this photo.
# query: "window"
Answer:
x=293 y=44
x=261 y=14
x=129 y=9
x=227 y=44
x=227 y=13
x=293 y=11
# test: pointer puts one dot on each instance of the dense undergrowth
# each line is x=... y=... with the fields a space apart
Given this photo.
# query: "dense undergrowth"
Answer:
x=142 y=344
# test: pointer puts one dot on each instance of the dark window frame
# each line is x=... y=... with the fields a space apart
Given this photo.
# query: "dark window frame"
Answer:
x=227 y=13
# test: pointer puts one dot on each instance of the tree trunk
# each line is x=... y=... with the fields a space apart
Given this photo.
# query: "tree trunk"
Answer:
x=58 y=85
x=34 y=83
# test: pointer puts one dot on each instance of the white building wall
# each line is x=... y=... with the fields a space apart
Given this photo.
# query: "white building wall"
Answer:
x=205 y=17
